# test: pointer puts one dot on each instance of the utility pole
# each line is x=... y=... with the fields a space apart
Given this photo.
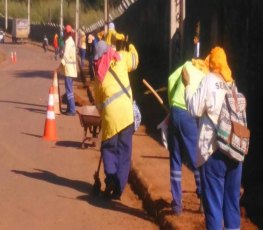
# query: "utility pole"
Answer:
x=106 y=15
x=77 y=21
x=173 y=28
x=177 y=16
x=181 y=24
x=6 y=18
x=28 y=15
x=61 y=16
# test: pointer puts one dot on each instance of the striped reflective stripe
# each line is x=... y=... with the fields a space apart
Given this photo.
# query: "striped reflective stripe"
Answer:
x=51 y=99
x=176 y=175
x=51 y=115
x=113 y=97
x=133 y=61
x=197 y=176
x=70 y=95
x=69 y=62
x=176 y=178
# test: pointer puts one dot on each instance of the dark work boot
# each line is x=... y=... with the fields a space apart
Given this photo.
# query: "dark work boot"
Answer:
x=110 y=186
x=116 y=194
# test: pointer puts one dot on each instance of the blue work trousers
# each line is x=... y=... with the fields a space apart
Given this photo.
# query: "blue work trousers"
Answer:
x=70 y=95
x=182 y=139
x=116 y=153
x=221 y=181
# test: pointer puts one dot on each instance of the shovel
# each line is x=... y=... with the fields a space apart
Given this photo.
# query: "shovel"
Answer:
x=97 y=184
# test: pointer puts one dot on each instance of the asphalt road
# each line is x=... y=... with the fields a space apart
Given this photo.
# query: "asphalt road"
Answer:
x=44 y=184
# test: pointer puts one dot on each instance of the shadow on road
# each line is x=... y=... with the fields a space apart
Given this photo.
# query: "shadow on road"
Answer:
x=31 y=74
x=75 y=144
x=33 y=135
x=71 y=144
x=55 y=179
x=114 y=206
x=83 y=187
x=41 y=111
x=22 y=103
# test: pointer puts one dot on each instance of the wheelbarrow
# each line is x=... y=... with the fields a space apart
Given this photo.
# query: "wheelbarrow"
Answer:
x=90 y=120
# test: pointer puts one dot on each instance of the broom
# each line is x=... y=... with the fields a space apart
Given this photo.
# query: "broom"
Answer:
x=97 y=184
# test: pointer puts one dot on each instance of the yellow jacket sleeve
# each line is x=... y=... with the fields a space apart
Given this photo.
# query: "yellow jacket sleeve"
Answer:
x=131 y=58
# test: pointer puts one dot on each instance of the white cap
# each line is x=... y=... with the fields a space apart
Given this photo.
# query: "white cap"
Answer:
x=111 y=26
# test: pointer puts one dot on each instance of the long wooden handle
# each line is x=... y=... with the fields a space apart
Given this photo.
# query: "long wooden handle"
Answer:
x=153 y=91
x=155 y=94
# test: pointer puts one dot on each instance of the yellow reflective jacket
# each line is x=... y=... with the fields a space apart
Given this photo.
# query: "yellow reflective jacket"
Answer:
x=69 y=61
x=115 y=106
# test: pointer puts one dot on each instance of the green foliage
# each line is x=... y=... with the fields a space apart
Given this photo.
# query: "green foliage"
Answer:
x=44 y=11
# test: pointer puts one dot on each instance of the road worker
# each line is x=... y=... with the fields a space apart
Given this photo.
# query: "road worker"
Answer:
x=220 y=175
x=69 y=66
x=115 y=106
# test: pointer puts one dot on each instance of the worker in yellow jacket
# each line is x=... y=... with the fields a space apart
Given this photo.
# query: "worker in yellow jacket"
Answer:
x=115 y=106
x=112 y=36
x=68 y=65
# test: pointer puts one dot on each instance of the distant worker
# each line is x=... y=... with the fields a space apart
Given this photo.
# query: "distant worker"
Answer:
x=196 y=47
x=61 y=44
x=69 y=67
x=82 y=46
x=101 y=35
x=112 y=36
x=56 y=47
x=45 y=43
x=91 y=42
x=117 y=126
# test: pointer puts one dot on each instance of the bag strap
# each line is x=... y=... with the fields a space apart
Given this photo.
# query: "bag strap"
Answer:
x=232 y=90
x=118 y=80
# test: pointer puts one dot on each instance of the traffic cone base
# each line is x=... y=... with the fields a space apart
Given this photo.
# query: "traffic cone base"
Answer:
x=50 y=131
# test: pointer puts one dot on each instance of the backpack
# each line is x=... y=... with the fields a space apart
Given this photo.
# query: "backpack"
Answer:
x=232 y=132
x=137 y=115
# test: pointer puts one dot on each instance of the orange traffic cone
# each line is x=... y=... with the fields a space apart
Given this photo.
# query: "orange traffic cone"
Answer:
x=56 y=93
x=50 y=125
x=14 y=57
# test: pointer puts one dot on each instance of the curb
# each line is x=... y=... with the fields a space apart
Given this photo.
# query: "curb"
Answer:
x=155 y=206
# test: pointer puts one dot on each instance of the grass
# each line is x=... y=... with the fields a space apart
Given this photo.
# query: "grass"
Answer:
x=44 y=11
